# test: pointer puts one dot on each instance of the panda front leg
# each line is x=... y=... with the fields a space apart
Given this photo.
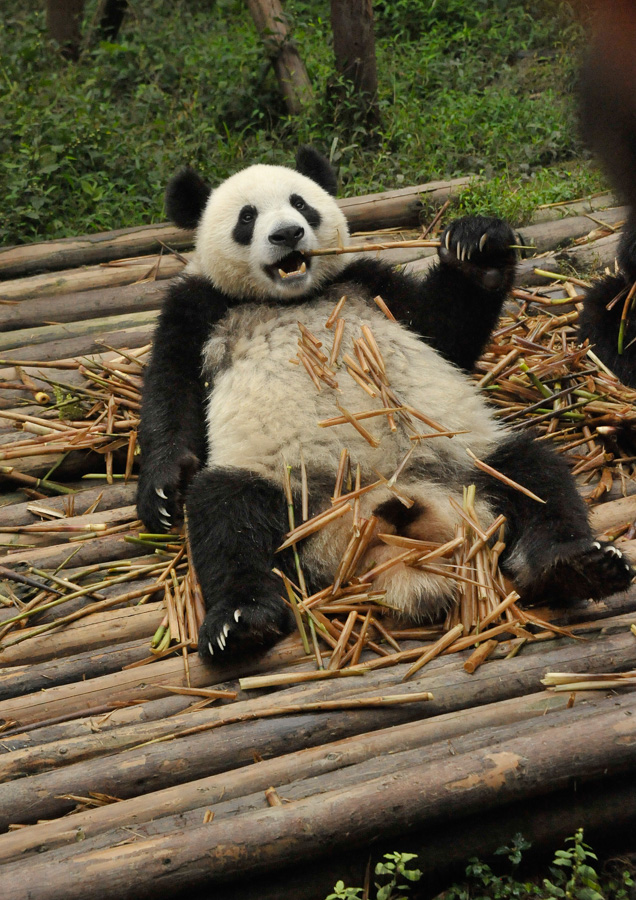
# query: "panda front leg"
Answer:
x=236 y=520
x=462 y=297
x=551 y=554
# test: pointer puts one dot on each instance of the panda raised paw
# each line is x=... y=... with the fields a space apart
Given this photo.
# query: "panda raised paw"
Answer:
x=481 y=247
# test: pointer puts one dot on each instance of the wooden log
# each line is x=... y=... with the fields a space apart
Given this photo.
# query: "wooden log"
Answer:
x=97 y=550
x=65 y=348
x=315 y=827
x=159 y=765
x=405 y=206
x=382 y=210
x=24 y=337
x=293 y=80
x=551 y=235
x=17 y=681
x=111 y=496
x=595 y=255
x=303 y=764
x=94 y=304
x=67 y=253
x=607 y=808
x=61 y=728
x=93 y=631
x=609 y=515
x=295 y=786
x=89 y=277
x=555 y=211
x=135 y=685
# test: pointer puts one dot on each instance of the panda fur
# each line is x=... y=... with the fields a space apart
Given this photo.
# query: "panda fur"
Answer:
x=224 y=411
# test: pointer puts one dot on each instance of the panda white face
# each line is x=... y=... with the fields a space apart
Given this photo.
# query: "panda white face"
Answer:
x=255 y=230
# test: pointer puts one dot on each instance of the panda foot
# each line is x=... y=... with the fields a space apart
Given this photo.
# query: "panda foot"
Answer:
x=245 y=621
x=598 y=571
x=481 y=247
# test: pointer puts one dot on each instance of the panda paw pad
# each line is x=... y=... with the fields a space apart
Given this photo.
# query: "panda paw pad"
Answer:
x=254 y=624
x=598 y=571
x=481 y=247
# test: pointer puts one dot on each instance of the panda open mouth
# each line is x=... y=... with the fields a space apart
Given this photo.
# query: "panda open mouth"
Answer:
x=294 y=266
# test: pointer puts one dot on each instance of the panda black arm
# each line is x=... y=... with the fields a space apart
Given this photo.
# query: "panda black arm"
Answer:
x=455 y=307
x=172 y=429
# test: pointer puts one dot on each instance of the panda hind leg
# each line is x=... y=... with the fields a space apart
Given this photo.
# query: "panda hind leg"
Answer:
x=236 y=520
x=551 y=554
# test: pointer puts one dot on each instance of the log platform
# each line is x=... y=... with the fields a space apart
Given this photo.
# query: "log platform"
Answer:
x=131 y=769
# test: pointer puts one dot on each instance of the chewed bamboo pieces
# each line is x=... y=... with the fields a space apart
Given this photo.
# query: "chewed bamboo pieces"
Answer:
x=569 y=681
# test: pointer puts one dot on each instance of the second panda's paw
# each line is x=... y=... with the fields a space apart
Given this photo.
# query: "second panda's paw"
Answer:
x=481 y=247
x=243 y=620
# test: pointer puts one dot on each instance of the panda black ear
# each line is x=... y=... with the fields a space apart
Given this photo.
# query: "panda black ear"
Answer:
x=315 y=166
x=186 y=196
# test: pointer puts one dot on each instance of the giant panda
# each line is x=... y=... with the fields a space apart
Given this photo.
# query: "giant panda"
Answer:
x=224 y=410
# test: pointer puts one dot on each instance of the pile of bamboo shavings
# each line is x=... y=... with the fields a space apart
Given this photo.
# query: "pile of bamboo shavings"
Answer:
x=537 y=376
x=100 y=416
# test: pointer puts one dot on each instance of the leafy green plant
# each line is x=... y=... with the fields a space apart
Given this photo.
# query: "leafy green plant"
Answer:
x=393 y=869
x=572 y=877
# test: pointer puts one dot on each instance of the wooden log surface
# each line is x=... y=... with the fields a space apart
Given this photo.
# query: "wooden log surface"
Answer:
x=110 y=496
x=23 y=337
x=142 y=769
x=66 y=253
x=76 y=307
x=302 y=764
x=311 y=828
x=120 y=272
x=54 y=348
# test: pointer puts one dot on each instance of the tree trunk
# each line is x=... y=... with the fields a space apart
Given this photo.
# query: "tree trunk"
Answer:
x=290 y=71
x=64 y=21
x=354 y=50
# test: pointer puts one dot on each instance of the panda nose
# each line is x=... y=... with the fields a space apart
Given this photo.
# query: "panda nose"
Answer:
x=287 y=236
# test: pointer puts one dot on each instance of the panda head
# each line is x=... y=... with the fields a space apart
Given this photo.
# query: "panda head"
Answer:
x=253 y=229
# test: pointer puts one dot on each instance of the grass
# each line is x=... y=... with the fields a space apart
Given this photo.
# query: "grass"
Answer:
x=483 y=88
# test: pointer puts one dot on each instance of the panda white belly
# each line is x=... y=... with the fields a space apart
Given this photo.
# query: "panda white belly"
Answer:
x=263 y=408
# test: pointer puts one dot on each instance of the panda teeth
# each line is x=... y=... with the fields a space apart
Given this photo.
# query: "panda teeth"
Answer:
x=282 y=273
x=303 y=267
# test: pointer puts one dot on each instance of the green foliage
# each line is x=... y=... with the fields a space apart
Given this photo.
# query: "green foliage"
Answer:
x=393 y=869
x=484 y=87
x=572 y=877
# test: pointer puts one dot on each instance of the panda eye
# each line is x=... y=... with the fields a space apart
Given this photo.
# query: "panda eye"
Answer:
x=247 y=214
x=298 y=203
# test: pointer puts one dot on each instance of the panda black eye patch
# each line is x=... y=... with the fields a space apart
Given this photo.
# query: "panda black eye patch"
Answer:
x=244 y=228
x=312 y=215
